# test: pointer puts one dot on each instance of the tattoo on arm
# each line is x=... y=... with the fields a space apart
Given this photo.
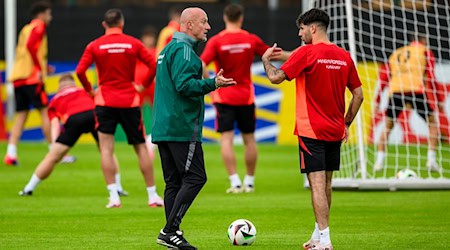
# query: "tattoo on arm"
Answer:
x=275 y=75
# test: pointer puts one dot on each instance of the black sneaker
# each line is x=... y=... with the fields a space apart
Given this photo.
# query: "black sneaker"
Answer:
x=23 y=193
x=122 y=193
x=174 y=240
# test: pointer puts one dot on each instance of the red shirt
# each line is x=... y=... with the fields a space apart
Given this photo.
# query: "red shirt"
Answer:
x=144 y=75
x=69 y=101
x=234 y=52
x=322 y=72
x=115 y=55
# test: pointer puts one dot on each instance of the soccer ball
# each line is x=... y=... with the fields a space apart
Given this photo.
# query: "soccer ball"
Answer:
x=241 y=233
x=406 y=174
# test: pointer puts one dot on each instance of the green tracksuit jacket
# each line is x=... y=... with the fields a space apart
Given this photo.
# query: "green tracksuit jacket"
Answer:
x=178 y=109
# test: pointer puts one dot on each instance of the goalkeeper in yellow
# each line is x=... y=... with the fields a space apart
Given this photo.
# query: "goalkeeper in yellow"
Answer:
x=412 y=84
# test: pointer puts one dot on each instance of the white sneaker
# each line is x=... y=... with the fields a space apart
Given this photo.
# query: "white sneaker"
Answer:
x=114 y=204
x=235 y=190
x=378 y=167
x=249 y=188
x=433 y=166
x=156 y=202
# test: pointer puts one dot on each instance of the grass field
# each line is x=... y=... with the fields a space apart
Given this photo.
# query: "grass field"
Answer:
x=67 y=210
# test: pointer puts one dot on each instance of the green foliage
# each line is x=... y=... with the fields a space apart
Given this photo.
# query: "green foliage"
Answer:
x=67 y=210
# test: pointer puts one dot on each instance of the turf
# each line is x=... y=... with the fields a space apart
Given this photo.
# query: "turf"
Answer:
x=67 y=210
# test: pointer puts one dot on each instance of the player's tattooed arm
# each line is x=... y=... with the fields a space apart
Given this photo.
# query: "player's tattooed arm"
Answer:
x=275 y=75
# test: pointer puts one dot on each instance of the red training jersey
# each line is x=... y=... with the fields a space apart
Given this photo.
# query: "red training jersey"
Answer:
x=234 y=52
x=322 y=73
x=69 y=101
x=144 y=75
x=115 y=55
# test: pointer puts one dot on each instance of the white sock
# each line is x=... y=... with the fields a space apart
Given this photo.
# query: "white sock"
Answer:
x=118 y=183
x=151 y=191
x=325 y=236
x=113 y=195
x=34 y=181
x=234 y=180
x=380 y=157
x=11 y=150
x=431 y=155
x=315 y=235
x=249 y=180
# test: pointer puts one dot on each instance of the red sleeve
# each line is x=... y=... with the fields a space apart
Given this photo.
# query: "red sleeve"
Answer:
x=85 y=62
x=261 y=47
x=51 y=111
x=296 y=63
x=209 y=53
x=149 y=60
x=33 y=43
x=353 y=78
x=435 y=89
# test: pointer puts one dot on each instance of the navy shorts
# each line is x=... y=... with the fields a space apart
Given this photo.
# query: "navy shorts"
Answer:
x=129 y=118
x=243 y=116
x=317 y=155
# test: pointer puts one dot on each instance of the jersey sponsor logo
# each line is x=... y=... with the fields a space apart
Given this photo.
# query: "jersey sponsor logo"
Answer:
x=332 y=63
x=115 y=48
x=236 y=48
x=160 y=58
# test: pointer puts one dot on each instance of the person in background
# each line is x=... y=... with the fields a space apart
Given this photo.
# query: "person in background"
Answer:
x=74 y=109
x=411 y=81
x=166 y=33
x=115 y=55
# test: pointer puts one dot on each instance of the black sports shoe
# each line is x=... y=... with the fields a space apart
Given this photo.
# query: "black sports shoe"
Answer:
x=122 y=193
x=174 y=240
x=23 y=193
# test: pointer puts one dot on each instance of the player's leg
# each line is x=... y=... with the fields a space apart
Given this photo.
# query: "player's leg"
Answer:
x=107 y=122
x=188 y=157
x=45 y=167
x=395 y=107
x=131 y=121
x=422 y=107
x=246 y=121
x=225 y=117
x=22 y=100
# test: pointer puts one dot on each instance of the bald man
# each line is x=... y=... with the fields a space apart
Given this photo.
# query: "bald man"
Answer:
x=178 y=120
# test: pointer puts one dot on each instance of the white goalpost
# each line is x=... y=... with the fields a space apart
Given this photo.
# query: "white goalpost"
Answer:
x=371 y=31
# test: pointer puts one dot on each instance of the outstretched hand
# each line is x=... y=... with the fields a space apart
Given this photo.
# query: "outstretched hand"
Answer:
x=273 y=52
x=221 y=81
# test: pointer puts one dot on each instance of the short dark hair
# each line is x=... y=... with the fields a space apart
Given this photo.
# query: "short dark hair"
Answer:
x=149 y=31
x=233 y=12
x=314 y=16
x=113 y=17
x=175 y=11
x=39 y=7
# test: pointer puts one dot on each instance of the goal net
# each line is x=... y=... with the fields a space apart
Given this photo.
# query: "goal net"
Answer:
x=372 y=31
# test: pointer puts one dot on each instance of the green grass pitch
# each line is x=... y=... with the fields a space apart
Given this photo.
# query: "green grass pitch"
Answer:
x=67 y=211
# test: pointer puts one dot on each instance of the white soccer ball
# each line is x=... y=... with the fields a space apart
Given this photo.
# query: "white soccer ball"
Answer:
x=241 y=232
x=406 y=174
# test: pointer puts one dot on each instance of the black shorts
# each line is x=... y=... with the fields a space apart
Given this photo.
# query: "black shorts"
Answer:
x=77 y=125
x=129 y=118
x=29 y=96
x=317 y=155
x=418 y=102
x=227 y=115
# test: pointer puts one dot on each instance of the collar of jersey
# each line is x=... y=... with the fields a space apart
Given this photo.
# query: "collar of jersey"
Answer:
x=185 y=38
